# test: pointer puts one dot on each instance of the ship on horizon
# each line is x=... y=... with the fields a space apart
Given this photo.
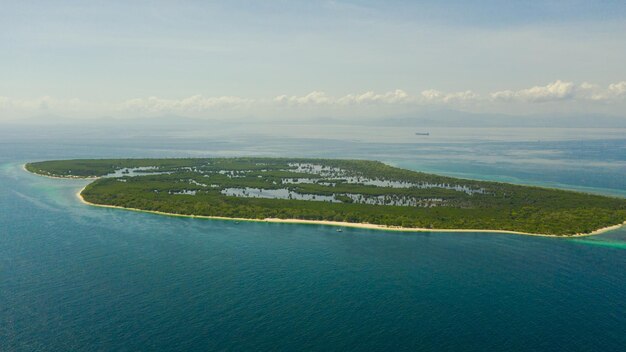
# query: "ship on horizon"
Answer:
x=422 y=133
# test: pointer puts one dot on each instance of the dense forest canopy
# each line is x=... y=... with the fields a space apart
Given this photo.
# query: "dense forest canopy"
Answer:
x=358 y=191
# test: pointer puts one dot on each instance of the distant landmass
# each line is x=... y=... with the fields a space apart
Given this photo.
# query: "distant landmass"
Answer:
x=358 y=193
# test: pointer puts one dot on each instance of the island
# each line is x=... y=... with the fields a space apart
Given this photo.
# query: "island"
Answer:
x=359 y=193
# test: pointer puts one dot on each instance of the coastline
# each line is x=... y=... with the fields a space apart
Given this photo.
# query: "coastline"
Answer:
x=326 y=222
x=349 y=224
x=61 y=177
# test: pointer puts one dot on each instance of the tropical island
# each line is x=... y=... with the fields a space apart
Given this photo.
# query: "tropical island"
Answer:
x=337 y=192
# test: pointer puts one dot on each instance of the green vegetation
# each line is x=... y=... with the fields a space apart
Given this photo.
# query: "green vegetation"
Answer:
x=338 y=190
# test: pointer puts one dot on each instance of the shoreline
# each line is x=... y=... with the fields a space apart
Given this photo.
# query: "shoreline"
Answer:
x=348 y=224
x=326 y=222
x=61 y=177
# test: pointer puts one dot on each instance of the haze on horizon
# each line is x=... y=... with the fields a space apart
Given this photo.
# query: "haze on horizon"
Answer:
x=310 y=59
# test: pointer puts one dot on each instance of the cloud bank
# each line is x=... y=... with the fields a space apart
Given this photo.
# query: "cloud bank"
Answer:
x=558 y=93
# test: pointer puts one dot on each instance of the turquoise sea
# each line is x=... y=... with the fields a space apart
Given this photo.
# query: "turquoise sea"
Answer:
x=80 y=278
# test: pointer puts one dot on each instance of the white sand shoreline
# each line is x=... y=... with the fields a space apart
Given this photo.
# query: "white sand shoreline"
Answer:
x=348 y=224
x=328 y=222
x=61 y=177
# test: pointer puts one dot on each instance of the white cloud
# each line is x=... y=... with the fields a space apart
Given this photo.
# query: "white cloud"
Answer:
x=42 y=104
x=618 y=89
x=435 y=96
x=557 y=90
x=313 y=98
x=321 y=98
x=193 y=104
x=394 y=97
x=316 y=103
x=560 y=91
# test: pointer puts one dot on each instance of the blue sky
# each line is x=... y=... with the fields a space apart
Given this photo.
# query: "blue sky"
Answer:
x=249 y=58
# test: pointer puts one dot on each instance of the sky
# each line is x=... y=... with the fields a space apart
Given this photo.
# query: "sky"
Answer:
x=307 y=59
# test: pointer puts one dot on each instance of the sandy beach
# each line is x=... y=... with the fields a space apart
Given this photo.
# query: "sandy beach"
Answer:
x=350 y=224
x=60 y=177
x=327 y=222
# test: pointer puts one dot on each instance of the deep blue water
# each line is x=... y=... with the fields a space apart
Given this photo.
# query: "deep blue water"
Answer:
x=79 y=278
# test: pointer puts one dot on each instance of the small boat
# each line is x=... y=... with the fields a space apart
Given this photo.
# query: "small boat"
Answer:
x=339 y=230
x=422 y=133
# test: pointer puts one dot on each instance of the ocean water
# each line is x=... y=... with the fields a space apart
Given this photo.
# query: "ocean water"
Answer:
x=80 y=278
